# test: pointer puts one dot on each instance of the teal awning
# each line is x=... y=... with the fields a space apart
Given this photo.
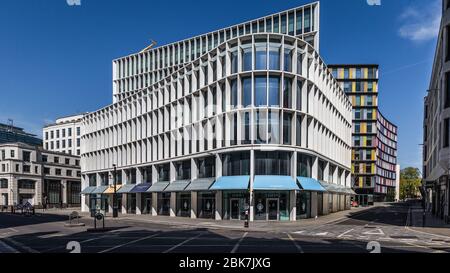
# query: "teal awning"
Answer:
x=88 y=190
x=126 y=188
x=276 y=183
x=158 y=187
x=202 y=184
x=177 y=186
x=231 y=183
x=334 y=188
x=310 y=184
x=99 y=190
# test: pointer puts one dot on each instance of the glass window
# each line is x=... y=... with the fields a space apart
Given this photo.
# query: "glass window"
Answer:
x=287 y=93
x=299 y=22
x=274 y=56
x=288 y=59
x=261 y=56
x=283 y=24
x=269 y=25
x=236 y=164
x=234 y=62
x=234 y=95
x=260 y=91
x=274 y=91
x=276 y=24
x=261 y=126
x=299 y=95
x=287 y=128
x=272 y=163
x=274 y=127
x=247 y=91
x=246 y=58
x=291 y=24
x=246 y=139
x=307 y=20
x=299 y=63
x=298 y=128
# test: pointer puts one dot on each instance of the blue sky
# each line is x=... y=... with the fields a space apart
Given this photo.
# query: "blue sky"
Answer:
x=56 y=59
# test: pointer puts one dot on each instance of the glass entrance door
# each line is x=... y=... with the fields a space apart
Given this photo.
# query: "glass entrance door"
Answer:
x=273 y=211
x=235 y=210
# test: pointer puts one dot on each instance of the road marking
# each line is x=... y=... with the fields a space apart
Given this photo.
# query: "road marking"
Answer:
x=423 y=232
x=321 y=234
x=182 y=243
x=344 y=234
x=129 y=243
x=300 y=232
x=377 y=231
x=26 y=248
x=236 y=246
x=295 y=243
x=4 y=248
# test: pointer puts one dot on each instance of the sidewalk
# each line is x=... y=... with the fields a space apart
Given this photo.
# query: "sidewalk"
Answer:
x=264 y=226
x=433 y=224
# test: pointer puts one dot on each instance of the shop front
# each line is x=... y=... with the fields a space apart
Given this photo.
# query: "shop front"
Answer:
x=145 y=204
x=235 y=196
x=162 y=198
x=130 y=198
x=206 y=199
x=206 y=205
x=182 y=198
x=99 y=200
x=304 y=196
x=272 y=197
x=272 y=206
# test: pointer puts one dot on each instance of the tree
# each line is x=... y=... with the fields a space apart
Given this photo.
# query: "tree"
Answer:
x=410 y=182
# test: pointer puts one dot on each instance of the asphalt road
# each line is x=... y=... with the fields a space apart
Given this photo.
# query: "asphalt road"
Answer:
x=382 y=227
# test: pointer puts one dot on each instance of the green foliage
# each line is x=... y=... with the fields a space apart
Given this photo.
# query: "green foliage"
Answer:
x=410 y=182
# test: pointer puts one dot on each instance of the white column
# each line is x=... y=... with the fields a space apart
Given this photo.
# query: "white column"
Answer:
x=64 y=192
x=84 y=198
x=314 y=209
x=292 y=201
x=252 y=177
x=173 y=204
x=139 y=180
x=194 y=205
x=219 y=194
x=154 y=203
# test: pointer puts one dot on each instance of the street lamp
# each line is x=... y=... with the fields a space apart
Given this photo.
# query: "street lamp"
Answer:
x=115 y=209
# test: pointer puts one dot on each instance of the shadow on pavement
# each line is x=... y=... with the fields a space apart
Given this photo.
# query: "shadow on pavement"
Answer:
x=187 y=241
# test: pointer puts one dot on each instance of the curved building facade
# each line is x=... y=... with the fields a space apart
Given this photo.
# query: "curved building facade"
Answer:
x=255 y=123
x=374 y=155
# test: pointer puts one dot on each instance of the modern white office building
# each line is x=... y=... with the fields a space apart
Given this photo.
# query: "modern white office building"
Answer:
x=436 y=126
x=64 y=135
x=29 y=174
x=246 y=118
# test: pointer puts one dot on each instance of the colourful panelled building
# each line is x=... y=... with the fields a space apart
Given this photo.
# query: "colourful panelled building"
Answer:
x=374 y=153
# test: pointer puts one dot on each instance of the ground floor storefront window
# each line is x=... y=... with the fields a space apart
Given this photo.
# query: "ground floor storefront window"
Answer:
x=272 y=206
x=206 y=205
x=52 y=192
x=183 y=204
x=234 y=204
x=303 y=204
x=146 y=203
x=164 y=203
x=73 y=193
x=131 y=203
